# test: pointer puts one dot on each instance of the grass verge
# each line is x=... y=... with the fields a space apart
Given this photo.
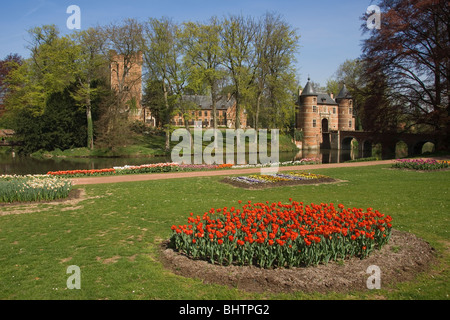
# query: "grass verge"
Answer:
x=113 y=235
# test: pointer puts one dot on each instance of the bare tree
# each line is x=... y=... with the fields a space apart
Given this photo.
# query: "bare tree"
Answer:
x=412 y=49
x=239 y=56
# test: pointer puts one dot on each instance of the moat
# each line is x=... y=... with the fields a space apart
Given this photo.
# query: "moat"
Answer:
x=22 y=165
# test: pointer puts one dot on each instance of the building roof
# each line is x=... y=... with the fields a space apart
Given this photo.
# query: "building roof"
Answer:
x=205 y=102
x=6 y=132
x=324 y=98
x=343 y=94
x=309 y=89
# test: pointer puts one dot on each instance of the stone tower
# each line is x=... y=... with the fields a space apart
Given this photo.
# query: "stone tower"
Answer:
x=308 y=119
x=126 y=80
x=320 y=117
x=346 y=119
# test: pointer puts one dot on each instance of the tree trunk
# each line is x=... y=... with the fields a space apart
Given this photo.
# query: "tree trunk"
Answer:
x=166 y=101
x=214 y=99
x=237 y=124
x=258 y=105
x=90 y=127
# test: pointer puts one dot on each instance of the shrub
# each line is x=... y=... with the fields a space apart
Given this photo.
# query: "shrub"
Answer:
x=281 y=235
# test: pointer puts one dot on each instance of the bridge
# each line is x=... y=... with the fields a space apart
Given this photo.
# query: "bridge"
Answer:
x=342 y=140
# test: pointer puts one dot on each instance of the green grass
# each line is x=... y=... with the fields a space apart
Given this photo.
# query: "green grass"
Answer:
x=113 y=235
x=146 y=145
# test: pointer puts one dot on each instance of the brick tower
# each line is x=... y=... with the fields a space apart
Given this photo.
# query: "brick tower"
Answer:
x=346 y=119
x=126 y=80
x=308 y=118
x=320 y=117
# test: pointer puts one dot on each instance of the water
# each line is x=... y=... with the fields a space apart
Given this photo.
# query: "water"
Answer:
x=22 y=165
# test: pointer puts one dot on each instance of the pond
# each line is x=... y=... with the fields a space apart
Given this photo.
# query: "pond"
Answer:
x=22 y=165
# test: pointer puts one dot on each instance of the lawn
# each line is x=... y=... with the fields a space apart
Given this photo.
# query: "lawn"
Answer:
x=113 y=235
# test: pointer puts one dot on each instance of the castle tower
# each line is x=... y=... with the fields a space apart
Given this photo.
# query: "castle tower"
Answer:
x=346 y=120
x=308 y=117
x=126 y=80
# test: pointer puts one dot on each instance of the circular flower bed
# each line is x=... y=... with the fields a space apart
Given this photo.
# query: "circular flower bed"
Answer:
x=255 y=181
x=281 y=235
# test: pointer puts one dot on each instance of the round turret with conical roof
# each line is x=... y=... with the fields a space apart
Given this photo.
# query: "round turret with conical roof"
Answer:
x=345 y=101
x=308 y=116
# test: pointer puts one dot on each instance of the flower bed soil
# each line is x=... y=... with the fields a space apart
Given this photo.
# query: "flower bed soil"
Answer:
x=401 y=259
x=279 y=183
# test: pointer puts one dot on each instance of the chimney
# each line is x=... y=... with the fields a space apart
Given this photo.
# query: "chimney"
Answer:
x=332 y=95
x=300 y=92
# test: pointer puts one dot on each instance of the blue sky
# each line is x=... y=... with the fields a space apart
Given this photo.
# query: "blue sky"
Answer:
x=329 y=30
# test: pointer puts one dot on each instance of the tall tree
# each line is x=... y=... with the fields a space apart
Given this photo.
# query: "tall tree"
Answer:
x=276 y=43
x=353 y=73
x=239 y=57
x=123 y=45
x=90 y=62
x=7 y=66
x=204 y=56
x=153 y=99
x=162 y=53
x=123 y=42
x=412 y=49
x=49 y=70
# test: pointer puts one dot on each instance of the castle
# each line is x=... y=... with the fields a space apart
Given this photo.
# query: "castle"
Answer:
x=225 y=112
x=318 y=115
x=127 y=82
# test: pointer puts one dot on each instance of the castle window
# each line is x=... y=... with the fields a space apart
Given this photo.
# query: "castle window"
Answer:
x=314 y=108
x=349 y=123
x=334 y=110
x=314 y=123
x=350 y=110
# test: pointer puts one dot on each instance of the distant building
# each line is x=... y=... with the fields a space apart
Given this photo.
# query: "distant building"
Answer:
x=319 y=114
x=128 y=81
x=225 y=112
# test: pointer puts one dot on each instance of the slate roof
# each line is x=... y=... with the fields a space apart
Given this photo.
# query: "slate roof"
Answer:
x=308 y=90
x=343 y=94
x=205 y=102
x=324 y=98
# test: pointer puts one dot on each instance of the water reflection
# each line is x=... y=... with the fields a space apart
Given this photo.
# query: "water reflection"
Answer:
x=28 y=165
x=328 y=156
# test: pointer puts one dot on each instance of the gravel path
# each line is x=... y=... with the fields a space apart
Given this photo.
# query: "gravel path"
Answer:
x=221 y=172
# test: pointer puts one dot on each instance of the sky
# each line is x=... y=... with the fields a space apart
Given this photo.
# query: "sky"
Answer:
x=330 y=31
